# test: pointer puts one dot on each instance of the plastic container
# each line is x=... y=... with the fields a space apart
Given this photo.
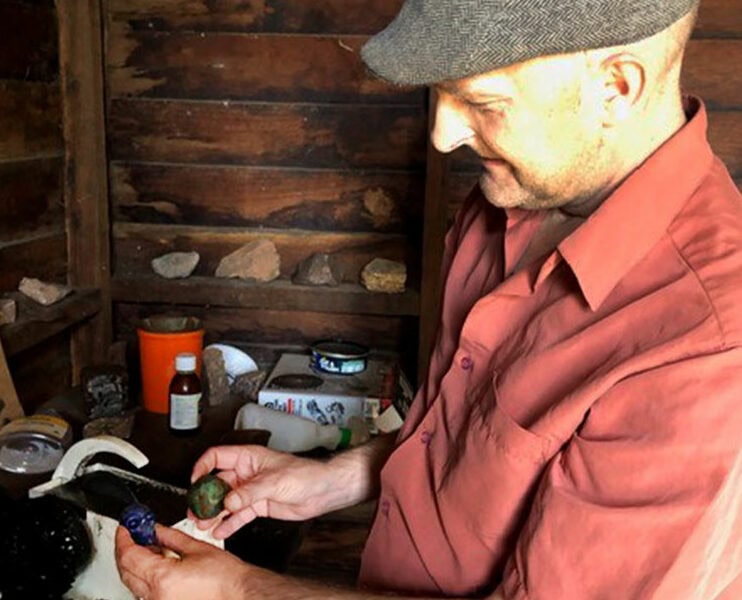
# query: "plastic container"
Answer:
x=161 y=339
x=290 y=433
x=34 y=444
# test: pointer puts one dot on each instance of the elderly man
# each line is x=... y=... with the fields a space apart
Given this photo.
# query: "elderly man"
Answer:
x=579 y=435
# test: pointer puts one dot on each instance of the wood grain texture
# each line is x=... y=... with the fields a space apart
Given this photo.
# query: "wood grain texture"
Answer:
x=30 y=197
x=135 y=245
x=276 y=295
x=708 y=72
x=42 y=372
x=288 y=16
x=36 y=323
x=719 y=18
x=388 y=202
x=28 y=42
x=285 y=68
x=320 y=136
x=86 y=176
x=279 y=327
x=30 y=120
x=43 y=257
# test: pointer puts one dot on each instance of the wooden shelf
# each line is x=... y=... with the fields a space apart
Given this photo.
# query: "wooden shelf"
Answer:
x=37 y=323
x=277 y=295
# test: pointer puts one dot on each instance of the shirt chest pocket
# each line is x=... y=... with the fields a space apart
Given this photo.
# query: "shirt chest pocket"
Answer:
x=494 y=468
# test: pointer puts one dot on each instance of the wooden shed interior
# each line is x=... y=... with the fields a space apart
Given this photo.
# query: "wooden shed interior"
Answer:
x=130 y=128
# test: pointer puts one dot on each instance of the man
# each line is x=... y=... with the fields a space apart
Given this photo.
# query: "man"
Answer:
x=578 y=436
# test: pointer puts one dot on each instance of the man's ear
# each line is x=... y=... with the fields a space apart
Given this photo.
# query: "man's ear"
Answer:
x=623 y=78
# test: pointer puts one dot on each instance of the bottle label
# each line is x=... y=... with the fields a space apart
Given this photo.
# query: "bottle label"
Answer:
x=184 y=411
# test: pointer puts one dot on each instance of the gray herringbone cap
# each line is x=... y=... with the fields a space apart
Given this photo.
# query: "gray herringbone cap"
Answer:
x=438 y=40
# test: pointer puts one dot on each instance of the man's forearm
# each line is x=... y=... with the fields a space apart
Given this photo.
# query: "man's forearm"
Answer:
x=359 y=468
x=270 y=586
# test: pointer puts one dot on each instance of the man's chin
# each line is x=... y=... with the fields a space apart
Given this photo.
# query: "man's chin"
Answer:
x=499 y=195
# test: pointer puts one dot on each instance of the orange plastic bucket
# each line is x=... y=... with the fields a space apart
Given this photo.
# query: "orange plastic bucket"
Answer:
x=161 y=339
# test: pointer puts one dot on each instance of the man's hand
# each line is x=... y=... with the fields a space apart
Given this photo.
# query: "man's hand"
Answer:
x=202 y=571
x=266 y=483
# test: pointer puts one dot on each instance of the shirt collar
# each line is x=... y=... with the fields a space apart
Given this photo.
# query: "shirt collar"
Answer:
x=634 y=217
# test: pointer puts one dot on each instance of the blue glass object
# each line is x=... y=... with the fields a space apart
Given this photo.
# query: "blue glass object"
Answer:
x=139 y=520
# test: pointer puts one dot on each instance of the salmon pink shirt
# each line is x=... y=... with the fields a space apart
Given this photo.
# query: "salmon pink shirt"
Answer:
x=580 y=431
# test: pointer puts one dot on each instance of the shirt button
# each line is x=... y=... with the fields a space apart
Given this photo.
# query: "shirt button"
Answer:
x=467 y=363
x=426 y=437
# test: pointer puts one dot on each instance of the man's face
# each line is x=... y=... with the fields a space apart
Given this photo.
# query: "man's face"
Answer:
x=536 y=126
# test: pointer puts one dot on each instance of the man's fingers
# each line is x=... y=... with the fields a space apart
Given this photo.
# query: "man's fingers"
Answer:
x=180 y=542
x=234 y=522
x=132 y=559
x=225 y=458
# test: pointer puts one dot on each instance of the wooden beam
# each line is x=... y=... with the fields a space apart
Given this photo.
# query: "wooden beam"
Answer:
x=434 y=233
x=86 y=178
x=10 y=406
x=277 y=295
x=38 y=323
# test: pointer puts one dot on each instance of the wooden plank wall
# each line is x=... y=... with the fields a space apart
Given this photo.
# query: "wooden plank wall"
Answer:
x=712 y=71
x=241 y=119
x=32 y=231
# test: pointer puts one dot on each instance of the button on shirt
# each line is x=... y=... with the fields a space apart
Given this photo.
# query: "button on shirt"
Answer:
x=579 y=432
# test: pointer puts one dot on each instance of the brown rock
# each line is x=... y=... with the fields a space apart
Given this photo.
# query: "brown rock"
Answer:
x=175 y=265
x=119 y=426
x=8 y=311
x=382 y=275
x=215 y=376
x=257 y=261
x=43 y=293
x=247 y=385
x=316 y=270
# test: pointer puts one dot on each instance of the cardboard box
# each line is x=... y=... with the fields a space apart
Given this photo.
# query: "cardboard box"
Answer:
x=294 y=387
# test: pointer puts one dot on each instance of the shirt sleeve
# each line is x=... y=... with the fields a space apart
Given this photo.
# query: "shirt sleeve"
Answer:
x=645 y=500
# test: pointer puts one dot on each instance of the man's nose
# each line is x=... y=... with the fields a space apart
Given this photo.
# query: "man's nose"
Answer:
x=451 y=128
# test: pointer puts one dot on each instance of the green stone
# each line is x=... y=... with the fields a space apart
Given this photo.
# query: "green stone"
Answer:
x=206 y=496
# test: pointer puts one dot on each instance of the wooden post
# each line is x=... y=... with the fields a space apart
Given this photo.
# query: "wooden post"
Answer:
x=86 y=176
x=434 y=233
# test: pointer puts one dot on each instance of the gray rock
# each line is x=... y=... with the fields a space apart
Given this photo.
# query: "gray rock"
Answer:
x=175 y=265
x=382 y=275
x=43 y=293
x=8 y=311
x=247 y=385
x=317 y=270
x=256 y=261
x=215 y=376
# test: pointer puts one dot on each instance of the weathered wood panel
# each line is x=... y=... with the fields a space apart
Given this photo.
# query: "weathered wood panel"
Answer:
x=135 y=245
x=315 y=136
x=30 y=120
x=276 y=295
x=285 y=68
x=28 y=42
x=719 y=18
x=277 y=198
x=707 y=72
x=279 y=327
x=42 y=372
x=43 y=257
x=289 y=16
x=30 y=197
x=296 y=68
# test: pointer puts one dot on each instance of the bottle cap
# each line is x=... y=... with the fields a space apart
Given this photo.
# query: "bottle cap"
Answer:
x=345 y=435
x=185 y=361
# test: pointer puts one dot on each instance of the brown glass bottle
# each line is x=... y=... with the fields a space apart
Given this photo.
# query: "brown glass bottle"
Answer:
x=184 y=415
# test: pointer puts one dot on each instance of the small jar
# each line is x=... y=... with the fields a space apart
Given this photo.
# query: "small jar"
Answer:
x=184 y=415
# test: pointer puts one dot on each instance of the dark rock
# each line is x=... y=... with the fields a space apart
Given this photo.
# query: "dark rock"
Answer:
x=247 y=385
x=206 y=496
x=317 y=270
x=215 y=376
x=8 y=311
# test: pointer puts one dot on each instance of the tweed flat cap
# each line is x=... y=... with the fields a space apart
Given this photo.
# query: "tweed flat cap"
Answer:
x=438 y=40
